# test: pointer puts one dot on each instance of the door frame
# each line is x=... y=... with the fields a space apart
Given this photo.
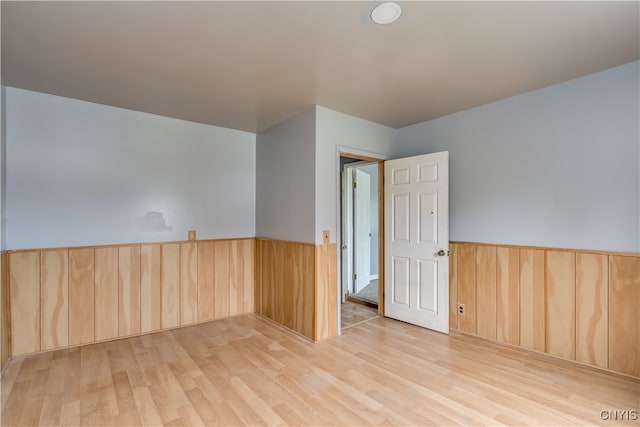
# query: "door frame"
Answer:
x=378 y=158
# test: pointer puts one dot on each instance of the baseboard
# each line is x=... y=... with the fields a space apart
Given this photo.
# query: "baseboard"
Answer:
x=142 y=334
x=361 y=302
x=281 y=326
x=541 y=354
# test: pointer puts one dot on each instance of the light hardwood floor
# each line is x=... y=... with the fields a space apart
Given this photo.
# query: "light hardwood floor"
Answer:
x=247 y=370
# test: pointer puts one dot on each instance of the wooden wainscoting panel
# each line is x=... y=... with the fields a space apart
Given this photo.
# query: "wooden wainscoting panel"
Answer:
x=205 y=281
x=453 y=286
x=268 y=278
x=5 y=325
x=467 y=287
x=170 y=265
x=508 y=295
x=592 y=309
x=81 y=296
x=236 y=277
x=331 y=253
x=24 y=282
x=278 y=282
x=150 y=288
x=106 y=293
x=249 y=274
x=307 y=321
x=574 y=304
x=532 y=317
x=221 y=279
x=560 y=320
x=258 y=271
x=297 y=288
x=321 y=309
x=189 y=283
x=129 y=290
x=54 y=298
x=624 y=314
x=486 y=291
x=332 y=284
x=287 y=289
x=326 y=321
x=261 y=277
x=303 y=289
x=267 y=248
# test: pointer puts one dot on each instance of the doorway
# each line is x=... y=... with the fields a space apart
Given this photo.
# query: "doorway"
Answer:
x=413 y=264
x=361 y=240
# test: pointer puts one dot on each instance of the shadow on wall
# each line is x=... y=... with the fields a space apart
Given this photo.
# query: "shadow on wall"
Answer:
x=153 y=222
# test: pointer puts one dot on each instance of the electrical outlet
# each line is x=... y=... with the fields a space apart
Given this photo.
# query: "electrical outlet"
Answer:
x=325 y=236
x=461 y=309
x=192 y=234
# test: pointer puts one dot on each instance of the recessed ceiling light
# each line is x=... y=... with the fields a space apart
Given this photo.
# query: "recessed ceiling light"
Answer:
x=386 y=13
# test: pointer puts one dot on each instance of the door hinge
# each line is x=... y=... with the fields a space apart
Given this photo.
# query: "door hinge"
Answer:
x=355 y=185
x=355 y=276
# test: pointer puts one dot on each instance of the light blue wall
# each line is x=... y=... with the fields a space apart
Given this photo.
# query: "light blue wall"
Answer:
x=3 y=168
x=336 y=131
x=285 y=179
x=80 y=173
x=554 y=167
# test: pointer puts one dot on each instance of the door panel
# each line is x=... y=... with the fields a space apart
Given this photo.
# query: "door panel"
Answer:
x=428 y=172
x=400 y=282
x=400 y=217
x=428 y=217
x=427 y=275
x=417 y=239
x=400 y=175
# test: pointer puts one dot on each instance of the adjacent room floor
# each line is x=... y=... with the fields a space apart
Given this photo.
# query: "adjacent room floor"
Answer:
x=246 y=370
x=369 y=293
x=352 y=313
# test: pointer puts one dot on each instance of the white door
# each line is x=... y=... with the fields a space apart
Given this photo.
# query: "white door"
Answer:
x=362 y=225
x=347 y=258
x=416 y=193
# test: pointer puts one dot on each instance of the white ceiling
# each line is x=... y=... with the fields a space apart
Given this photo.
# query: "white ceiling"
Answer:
x=249 y=65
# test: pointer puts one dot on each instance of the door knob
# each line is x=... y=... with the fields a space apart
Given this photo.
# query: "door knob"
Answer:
x=442 y=252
